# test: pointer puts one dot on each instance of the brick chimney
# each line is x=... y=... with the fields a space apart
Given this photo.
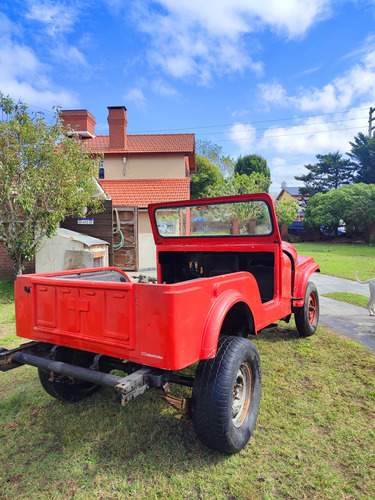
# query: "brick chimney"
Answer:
x=79 y=120
x=117 y=122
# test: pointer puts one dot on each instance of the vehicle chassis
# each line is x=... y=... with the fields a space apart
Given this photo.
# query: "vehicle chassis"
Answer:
x=140 y=378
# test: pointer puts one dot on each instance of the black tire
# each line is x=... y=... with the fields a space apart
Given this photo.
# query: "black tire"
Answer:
x=307 y=316
x=226 y=395
x=65 y=389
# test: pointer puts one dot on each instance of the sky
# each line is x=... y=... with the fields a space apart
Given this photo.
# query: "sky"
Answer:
x=284 y=79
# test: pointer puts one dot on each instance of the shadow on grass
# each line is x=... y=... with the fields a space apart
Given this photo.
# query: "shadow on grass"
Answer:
x=279 y=332
x=55 y=443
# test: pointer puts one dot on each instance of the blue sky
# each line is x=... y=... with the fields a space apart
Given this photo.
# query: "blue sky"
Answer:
x=286 y=79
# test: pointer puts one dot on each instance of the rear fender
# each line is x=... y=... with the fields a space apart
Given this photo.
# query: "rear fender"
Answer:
x=303 y=275
x=215 y=320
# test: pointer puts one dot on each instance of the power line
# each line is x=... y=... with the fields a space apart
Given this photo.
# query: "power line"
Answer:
x=252 y=122
x=294 y=126
x=289 y=135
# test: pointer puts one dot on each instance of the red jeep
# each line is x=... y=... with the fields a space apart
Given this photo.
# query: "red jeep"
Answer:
x=223 y=274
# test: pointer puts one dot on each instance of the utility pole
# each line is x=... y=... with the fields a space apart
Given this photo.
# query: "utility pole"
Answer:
x=370 y=120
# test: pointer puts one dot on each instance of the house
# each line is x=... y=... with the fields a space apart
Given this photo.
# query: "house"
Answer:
x=136 y=170
x=289 y=194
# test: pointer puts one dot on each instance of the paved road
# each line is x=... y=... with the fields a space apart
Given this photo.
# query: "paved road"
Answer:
x=352 y=321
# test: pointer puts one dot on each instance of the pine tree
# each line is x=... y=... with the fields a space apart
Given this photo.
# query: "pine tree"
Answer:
x=363 y=156
x=330 y=172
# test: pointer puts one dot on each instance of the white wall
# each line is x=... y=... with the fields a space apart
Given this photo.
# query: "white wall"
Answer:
x=146 y=245
x=147 y=251
x=51 y=255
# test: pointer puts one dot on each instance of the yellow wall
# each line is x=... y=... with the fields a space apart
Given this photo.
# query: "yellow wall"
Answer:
x=145 y=167
x=286 y=197
x=144 y=225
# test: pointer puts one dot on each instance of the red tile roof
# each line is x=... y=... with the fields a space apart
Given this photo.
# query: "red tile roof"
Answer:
x=146 y=144
x=142 y=192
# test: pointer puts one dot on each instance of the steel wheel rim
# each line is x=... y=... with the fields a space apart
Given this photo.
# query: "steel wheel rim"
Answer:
x=241 y=395
x=312 y=309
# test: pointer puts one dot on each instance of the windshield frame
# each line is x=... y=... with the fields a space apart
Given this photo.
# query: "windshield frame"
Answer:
x=272 y=237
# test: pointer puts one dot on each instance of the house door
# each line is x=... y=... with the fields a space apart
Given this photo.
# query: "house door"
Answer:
x=125 y=243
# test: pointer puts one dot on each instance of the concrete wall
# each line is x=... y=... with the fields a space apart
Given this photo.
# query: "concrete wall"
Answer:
x=60 y=254
x=145 y=167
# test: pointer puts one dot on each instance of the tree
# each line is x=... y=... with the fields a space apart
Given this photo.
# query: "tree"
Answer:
x=45 y=176
x=215 y=155
x=358 y=203
x=363 y=156
x=239 y=184
x=206 y=175
x=352 y=205
x=330 y=172
x=252 y=163
x=286 y=211
x=323 y=210
x=249 y=184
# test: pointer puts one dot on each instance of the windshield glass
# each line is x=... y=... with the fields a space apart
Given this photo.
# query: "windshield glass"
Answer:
x=249 y=218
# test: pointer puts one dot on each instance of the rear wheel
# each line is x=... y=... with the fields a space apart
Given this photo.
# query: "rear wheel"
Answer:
x=226 y=395
x=307 y=316
x=65 y=388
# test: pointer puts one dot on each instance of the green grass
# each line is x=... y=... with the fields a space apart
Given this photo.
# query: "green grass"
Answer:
x=341 y=260
x=7 y=314
x=314 y=436
x=6 y=292
x=350 y=298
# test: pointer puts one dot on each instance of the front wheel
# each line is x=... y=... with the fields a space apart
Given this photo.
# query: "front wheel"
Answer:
x=226 y=395
x=307 y=316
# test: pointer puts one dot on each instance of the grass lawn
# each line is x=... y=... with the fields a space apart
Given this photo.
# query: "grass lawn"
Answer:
x=341 y=260
x=314 y=436
x=350 y=298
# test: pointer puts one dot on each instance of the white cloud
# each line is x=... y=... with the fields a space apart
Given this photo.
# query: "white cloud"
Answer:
x=163 y=88
x=305 y=137
x=287 y=149
x=273 y=93
x=284 y=170
x=311 y=136
x=306 y=72
x=243 y=135
x=23 y=76
x=135 y=95
x=70 y=56
x=232 y=17
x=7 y=27
x=43 y=99
x=351 y=93
x=56 y=17
x=350 y=89
x=203 y=39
